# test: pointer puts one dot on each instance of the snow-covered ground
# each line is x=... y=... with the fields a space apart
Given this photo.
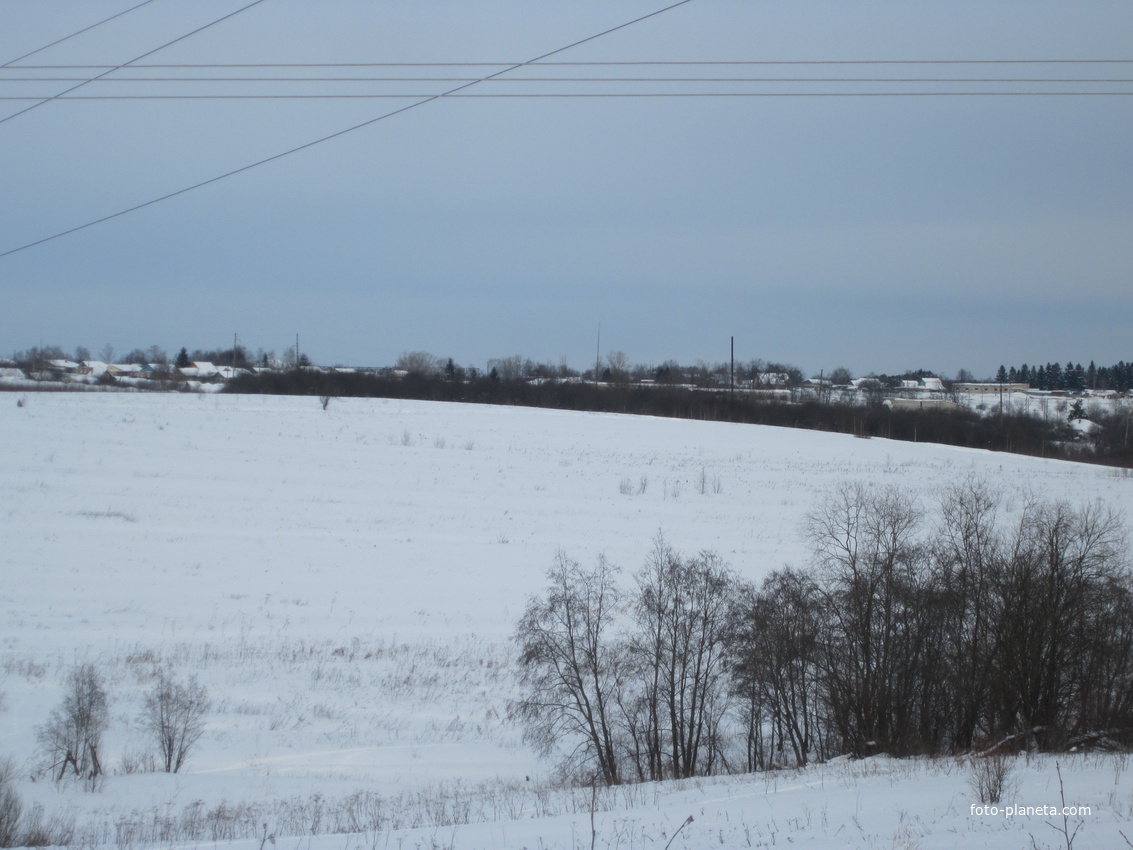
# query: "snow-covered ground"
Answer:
x=345 y=582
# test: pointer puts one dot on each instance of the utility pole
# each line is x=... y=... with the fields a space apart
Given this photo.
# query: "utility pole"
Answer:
x=732 y=374
x=598 y=354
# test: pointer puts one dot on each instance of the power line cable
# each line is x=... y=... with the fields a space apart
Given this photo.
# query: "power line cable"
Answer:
x=77 y=32
x=514 y=80
x=623 y=87
x=343 y=132
x=602 y=82
x=714 y=62
x=584 y=95
x=124 y=64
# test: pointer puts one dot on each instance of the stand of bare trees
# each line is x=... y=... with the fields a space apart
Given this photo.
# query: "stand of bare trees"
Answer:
x=629 y=687
x=71 y=739
x=909 y=636
x=954 y=629
x=72 y=736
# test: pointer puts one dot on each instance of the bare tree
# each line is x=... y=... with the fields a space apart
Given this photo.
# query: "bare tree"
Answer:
x=570 y=666
x=683 y=612
x=419 y=364
x=174 y=714
x=137 y=356
x=72 y=736
x=156 y=355
x=1052 y=593
x=508 y=368
x=870 y=568
x=618 y=362
x=776 y=647
x=840 y=376
x=968 y=546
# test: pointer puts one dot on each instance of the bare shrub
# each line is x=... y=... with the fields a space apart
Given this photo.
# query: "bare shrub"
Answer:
x=174 y=715
x=11 y=808
x=72 y=736
x=26 y=667
x=18 y=829
x=990 y=777
x=138 y=762
x=38 y=831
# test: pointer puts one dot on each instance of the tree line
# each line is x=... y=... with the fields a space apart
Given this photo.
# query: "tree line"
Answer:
x=691 y=392
x=910 y=631
x=1071 y=377
x=617 y=368
x=34 y=359
x=1009 y=431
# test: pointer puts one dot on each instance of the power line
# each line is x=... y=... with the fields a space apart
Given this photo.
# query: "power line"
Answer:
x=579 y=95
x=77 y=32
x=661 y=63
x=343 y=132
x=513 y=80
x=143 y=56
x=540 y=84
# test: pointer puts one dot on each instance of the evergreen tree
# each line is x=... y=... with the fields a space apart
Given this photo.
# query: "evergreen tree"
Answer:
x=1054 y=377
x=182 y=360
x=1066 y=381
x=1115 y=376
x=1076 y=378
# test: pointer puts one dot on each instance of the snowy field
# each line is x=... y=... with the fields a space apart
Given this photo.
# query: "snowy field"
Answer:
x=345 y=582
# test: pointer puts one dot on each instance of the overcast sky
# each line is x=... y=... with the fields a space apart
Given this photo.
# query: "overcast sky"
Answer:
x=881 y=233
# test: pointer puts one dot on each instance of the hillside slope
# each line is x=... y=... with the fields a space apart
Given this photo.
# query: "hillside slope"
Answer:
x=345 y=582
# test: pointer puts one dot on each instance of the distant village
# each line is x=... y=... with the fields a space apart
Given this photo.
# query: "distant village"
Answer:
x=197 y=376
x=924 y=392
